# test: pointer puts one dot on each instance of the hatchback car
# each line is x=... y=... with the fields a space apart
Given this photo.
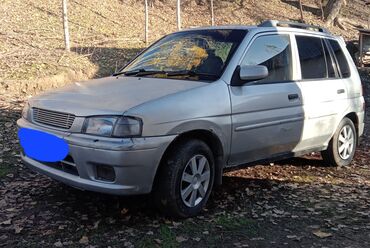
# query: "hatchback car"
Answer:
x=194 y=103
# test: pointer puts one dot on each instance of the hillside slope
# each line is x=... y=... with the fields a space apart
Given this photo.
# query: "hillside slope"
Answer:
x=105 y=34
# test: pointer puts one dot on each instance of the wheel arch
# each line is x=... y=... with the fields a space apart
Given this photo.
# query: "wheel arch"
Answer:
x=207 y=136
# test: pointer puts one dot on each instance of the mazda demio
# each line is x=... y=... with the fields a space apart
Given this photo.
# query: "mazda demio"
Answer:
x=194 y=103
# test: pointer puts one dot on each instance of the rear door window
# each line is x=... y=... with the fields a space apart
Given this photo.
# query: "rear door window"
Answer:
x=341 y=58
x=312 y=57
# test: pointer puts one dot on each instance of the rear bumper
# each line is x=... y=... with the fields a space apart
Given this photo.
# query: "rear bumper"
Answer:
x=135 y=161
x=361 y=121
x=361 y=125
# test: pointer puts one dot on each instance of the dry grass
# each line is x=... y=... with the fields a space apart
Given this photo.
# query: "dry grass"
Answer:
x=106 y=34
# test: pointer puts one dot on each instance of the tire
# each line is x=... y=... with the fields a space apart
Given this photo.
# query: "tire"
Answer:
x=342 y=146
x=178 y=181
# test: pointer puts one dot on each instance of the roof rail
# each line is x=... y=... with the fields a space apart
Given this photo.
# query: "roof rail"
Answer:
x=275 y=23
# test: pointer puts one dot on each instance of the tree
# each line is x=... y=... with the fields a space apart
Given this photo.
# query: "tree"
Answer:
x=65 y=26
x=212 y=14
x=146 y=22
x=332 y=11
x=301 y=10
x=178 y=13
x=321 y=6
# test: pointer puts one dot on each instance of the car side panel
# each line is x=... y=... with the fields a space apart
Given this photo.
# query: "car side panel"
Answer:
x=326 y=103
x=265 y=121
x=202 y=108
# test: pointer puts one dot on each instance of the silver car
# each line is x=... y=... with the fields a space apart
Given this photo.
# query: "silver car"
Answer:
x=196 y=102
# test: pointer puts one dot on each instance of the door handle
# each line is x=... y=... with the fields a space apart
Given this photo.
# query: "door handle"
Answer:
x=340 y=91
x=292 y=97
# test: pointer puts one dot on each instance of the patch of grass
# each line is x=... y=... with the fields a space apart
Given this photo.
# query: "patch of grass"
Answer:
x=145 y=242
x=192 y=228
x=232 y=223
x=5 y=170
x=166 y=236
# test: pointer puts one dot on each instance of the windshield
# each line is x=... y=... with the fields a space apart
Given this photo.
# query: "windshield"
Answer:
x=194 y=55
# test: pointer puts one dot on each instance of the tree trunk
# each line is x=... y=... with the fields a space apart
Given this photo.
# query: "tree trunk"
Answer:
x=146 y=22
x=321 y=6
x=301 y=10
x=65 y=26
x=212 y=14
x=178 y=13
x=332 y=10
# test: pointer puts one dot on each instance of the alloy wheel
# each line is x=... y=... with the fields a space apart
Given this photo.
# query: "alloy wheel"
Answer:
x=195 y=180
x=346 y=142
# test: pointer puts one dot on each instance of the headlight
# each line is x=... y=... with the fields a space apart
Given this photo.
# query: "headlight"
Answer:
x=127 y=127
x=113 y=126
x=26 y=112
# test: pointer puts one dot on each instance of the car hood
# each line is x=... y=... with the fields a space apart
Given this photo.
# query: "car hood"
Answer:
x=110 y=95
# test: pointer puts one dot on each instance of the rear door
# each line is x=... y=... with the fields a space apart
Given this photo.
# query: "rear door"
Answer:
x=267 y=115
x=324 y=93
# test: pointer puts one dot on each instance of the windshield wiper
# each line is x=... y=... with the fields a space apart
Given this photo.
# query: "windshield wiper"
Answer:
x=139 y=72
x=192 y=73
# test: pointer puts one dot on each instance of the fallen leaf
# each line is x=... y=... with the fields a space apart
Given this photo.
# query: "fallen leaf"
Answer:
x=96 y=224
x=6 y=223
x=84 y=240
x=321 y=234
x=124 y=211
x=127 y=244
x=18 y=229
x=291 y=236
x=181 y=239
x=58 y=244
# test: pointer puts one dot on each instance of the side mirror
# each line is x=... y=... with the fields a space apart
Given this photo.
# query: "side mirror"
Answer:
x=247 y=73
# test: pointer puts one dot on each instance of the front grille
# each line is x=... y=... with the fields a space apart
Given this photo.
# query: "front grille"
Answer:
x=53 y=118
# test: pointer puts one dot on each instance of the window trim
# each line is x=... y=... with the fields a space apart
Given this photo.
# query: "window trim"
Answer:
x=293 y=58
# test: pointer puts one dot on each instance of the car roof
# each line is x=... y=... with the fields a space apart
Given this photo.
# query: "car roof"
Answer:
x=257 y=29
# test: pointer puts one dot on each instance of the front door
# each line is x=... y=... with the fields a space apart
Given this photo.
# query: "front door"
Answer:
x=267 y=115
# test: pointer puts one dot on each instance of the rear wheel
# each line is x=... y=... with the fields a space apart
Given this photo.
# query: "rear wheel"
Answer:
x=342 y=146
x=185 y=179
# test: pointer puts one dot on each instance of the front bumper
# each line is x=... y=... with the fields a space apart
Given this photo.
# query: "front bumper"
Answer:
x=134 y=160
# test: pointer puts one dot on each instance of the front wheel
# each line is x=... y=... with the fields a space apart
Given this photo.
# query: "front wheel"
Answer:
x=342 y=146
x=185 y=179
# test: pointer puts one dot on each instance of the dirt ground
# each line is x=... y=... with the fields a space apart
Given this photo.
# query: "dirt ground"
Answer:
x=294 y=203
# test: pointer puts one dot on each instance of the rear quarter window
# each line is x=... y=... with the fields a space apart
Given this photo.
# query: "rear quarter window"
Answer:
x=341 y=58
